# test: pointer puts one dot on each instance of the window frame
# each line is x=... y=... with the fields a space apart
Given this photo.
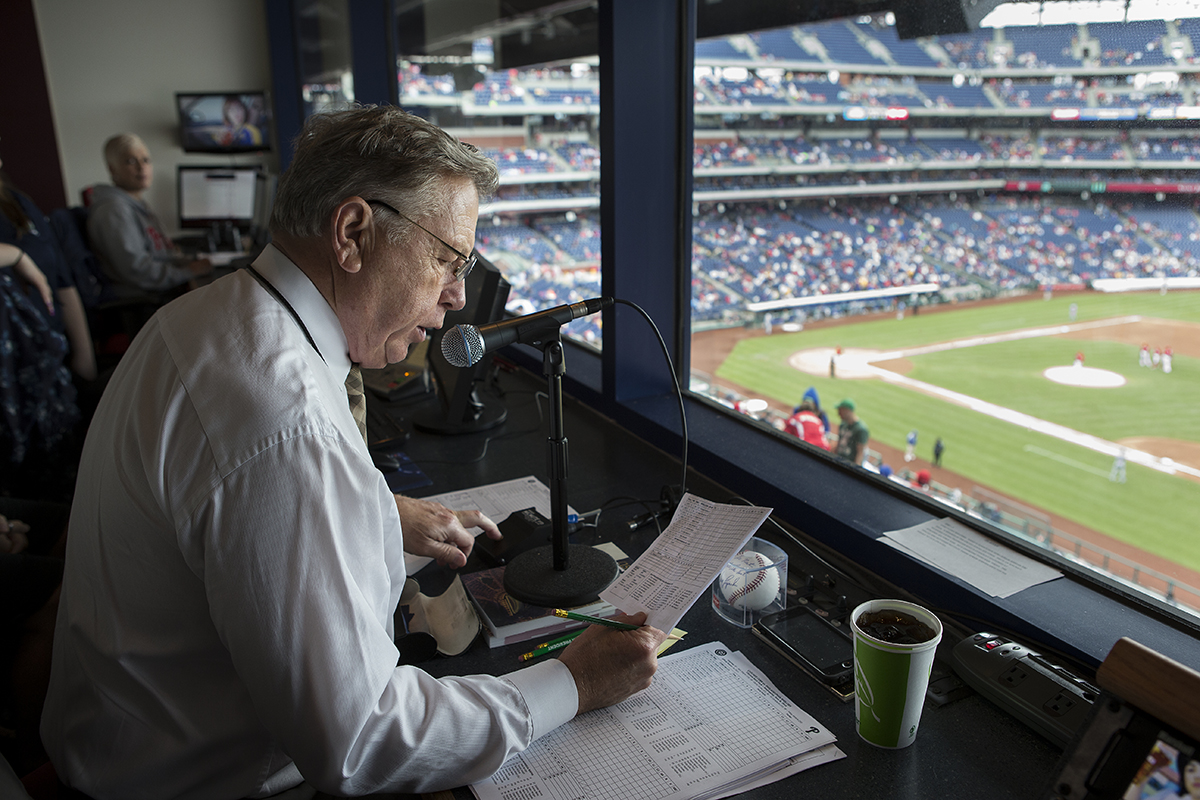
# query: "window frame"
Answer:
x=844 y=508
x=646 y=224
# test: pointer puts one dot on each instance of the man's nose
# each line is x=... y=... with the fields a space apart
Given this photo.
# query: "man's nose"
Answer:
x=454 y=296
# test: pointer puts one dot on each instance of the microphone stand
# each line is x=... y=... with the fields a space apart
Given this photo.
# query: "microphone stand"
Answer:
x=560 y=575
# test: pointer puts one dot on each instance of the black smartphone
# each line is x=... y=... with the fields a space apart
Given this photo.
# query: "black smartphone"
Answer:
x=813 y=643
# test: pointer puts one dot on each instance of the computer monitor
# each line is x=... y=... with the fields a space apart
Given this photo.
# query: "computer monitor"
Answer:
x=462 y=408
x=217 y=195
x=224 y=122
x=224 y=200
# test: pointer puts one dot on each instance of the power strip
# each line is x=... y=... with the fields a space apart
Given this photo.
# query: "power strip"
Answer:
x=1043 y=695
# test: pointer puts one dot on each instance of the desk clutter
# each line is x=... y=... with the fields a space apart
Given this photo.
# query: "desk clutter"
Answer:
x=712 y=724
x=507 y=620
x=1001 y=757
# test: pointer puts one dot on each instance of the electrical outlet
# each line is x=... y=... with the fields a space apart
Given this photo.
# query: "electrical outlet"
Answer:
x=1043 y=695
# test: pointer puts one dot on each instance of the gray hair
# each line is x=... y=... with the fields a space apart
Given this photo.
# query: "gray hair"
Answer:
x=119 y=145
x=373 y=152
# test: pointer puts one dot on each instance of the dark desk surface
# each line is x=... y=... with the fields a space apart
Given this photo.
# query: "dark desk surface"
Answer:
x=965 y=748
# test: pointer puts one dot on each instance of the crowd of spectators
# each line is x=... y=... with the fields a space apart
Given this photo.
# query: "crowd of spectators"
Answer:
x=755 y=252
x=919 y=150
x=746 y=252
x=743 y=71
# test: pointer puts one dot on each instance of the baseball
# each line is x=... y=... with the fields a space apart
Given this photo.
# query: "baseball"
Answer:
x=747 y=590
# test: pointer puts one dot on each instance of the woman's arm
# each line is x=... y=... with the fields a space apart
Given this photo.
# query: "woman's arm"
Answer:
x=14 y=258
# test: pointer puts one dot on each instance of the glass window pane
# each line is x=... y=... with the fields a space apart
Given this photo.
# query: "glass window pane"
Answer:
x=989 y=242
x=469 y=72
x=327 y=79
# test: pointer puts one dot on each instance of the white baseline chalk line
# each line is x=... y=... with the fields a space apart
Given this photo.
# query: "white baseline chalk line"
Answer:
x=1016 y=417
x=1011 y=336
x=1070 y=462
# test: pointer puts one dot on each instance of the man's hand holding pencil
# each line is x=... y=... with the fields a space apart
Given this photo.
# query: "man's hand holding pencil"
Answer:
x=609 y=664
x=546 y=648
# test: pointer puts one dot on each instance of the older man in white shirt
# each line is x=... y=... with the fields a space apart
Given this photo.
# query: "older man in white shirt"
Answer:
x=234 y=558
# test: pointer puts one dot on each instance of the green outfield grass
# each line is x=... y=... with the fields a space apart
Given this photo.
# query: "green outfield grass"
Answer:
x=1156 y=512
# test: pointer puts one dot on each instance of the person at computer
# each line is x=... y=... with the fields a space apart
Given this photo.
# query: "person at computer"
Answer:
x=234 y=558
x=125 y=234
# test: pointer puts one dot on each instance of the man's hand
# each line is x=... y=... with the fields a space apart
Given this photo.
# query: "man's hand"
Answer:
x=609 y=664
x=12 y=536
x=431 y=529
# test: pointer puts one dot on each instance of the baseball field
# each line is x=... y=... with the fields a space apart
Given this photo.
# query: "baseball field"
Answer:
x=976 y=375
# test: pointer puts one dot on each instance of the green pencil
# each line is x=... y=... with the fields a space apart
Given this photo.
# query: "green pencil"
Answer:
x=545 y=648
x=564 y=639
x=625 y=626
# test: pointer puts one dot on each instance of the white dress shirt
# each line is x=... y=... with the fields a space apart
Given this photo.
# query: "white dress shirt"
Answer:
x=234 y=560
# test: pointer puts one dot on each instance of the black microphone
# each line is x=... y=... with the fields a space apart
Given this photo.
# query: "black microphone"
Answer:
x=466 y=345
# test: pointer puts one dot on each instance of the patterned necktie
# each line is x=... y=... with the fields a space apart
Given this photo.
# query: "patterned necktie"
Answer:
x=358 y=400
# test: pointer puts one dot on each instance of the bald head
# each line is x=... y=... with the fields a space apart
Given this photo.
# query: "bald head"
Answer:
x=128 y=161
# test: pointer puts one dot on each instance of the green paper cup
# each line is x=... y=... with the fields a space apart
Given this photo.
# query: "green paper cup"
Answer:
x=890 y=678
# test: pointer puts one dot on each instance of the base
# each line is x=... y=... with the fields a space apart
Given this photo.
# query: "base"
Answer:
x=532 y=578
x=487 y=415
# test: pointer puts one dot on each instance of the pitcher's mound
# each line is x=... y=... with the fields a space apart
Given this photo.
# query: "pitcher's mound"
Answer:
x=852 y=363
x=1085 y=376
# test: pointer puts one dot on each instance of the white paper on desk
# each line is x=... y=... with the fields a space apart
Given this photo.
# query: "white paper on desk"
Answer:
x=710 y=725
x=495 y=500
x=221 y=259
x=684 y=560
x=985 y=564
x=822 y=755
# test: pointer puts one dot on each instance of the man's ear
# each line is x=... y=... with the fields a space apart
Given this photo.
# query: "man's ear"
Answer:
x=350 y=232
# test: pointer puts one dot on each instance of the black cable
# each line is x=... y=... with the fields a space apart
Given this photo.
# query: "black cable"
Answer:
x=498 y=437
x=678 y=391
x=839 y=571
x=611 y=503
x=483 y=453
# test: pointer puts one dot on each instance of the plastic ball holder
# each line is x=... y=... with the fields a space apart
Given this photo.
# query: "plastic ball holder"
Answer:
x=729 y=590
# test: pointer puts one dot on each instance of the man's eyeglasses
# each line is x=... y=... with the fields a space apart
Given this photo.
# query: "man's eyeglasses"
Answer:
x=468 y=260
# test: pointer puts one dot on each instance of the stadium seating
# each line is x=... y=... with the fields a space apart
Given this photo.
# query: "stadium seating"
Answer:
x=779 y=109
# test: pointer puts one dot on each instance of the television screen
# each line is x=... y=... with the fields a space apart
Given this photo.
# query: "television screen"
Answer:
x=214 y=195
x=211 y=122
x=1124 y=753
x=461 y=407
x=1170 y=770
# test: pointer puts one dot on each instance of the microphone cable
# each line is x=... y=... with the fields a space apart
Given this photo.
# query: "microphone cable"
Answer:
x=678 y=391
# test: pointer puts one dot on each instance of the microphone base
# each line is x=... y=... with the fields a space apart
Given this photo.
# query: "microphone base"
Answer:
x=531 y=577
x=489 y=414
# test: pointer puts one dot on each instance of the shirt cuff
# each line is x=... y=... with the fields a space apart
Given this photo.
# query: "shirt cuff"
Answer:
x=549 y=691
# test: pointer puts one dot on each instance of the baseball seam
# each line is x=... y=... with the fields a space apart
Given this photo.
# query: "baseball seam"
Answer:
x=750 y=586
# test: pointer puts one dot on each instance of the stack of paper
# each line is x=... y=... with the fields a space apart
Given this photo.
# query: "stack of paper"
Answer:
x=711 y=725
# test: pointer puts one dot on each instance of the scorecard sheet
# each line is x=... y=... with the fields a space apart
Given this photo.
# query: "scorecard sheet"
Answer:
x=684 y=560
x=709 y=726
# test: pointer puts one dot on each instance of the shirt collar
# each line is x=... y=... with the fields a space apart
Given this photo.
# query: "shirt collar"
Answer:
x=310 y=305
